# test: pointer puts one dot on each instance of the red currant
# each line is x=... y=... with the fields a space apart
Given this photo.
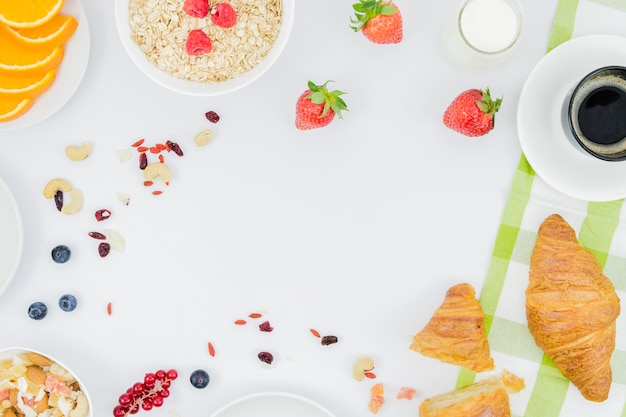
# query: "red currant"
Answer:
x=157 y=401
x=138 y=388
x=172 y=374
x=146 y=404
x=120 y=411
x=125 y=399
x=164 y=392
x=160 y=374
x=149 y=379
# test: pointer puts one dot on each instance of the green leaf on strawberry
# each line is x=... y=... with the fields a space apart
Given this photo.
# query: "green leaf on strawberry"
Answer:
x=366 y=10
x=330 y=99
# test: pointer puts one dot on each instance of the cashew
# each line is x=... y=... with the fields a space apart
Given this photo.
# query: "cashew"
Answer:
x=203 y=137
x=157 y=169
x=55 y=185
x=360 y=366
x=82 y=407
x=75 y=204
x=78 y=153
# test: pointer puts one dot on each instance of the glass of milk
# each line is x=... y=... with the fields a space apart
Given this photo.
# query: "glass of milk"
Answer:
x=481 y=34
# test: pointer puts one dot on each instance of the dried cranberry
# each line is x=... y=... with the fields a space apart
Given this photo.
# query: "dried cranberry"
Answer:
x=102 y=214
x=173 y=146
x=266 y=357
x=265 y=327
x=143 y=160
x=329 y=340
x=58 y=199
x=212 y=117
x=103 y=249
x=97 y=235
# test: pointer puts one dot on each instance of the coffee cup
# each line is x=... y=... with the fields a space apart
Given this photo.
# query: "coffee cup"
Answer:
x=597 y=113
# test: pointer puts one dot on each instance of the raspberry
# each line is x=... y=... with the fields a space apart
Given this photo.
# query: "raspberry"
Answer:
x=223 y=15
x=198 y=43
x=196 y=8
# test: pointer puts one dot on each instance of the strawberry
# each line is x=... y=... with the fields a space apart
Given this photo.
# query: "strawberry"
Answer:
x=196 y=8
x=380 y=21
x=223 y=15
x=198 y=43
x=317 y=106
x=472 y=113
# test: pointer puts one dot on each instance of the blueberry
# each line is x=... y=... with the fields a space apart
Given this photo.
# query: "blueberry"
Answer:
x=199 y=378
x=67 y=302
x=37 y=310
x=61 y=254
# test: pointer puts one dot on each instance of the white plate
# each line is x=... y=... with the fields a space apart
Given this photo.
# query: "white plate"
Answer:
x=544 y=135
x=69 y=74
x=272 y=404
x=199 y=88
x=11 y=240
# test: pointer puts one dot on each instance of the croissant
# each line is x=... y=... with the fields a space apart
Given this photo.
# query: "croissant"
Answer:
x=486 y=398
x=456 y=334
x=571 y=308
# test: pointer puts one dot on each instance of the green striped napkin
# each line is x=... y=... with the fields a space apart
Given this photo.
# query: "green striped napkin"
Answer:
x=530 y=201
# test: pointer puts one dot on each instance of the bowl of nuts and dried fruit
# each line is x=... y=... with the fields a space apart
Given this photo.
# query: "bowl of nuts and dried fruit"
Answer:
x=204 y=47
x=34 y=384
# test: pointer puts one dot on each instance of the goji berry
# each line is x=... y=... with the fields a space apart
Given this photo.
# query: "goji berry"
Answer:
x=315 y=333
x=211 y=349
x=240 y=322
x=139 y=142
x=255 y=315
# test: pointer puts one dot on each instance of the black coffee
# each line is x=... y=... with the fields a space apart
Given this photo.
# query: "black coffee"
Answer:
x=602 y=115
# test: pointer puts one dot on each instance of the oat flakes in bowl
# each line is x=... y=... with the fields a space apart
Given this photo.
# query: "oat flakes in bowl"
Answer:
x=154 y=33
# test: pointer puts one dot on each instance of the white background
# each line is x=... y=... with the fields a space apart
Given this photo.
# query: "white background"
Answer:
x=356 y=229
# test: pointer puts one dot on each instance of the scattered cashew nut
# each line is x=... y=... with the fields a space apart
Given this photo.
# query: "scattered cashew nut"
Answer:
x=82 y=407
x=361 y=366
x=157 y=169
x=75 y=204
x=203 y=137
x=55 y=185
x=78 y=153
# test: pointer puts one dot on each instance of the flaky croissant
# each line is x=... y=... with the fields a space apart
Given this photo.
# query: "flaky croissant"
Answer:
x=456 y=333
x=571 y=308
x=486 y=398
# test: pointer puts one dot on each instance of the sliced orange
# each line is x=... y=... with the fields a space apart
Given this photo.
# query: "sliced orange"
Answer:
x=19 y=61
x=55 y=32
x=12 y=108
x=28 y=13
x=32 y=86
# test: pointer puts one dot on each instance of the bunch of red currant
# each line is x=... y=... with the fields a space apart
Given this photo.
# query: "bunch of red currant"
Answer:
x=147 y=394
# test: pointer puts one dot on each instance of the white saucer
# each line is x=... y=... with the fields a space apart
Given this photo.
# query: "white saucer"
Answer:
x=69 y=74
x=272 y=404
x=543 y=132
x=12 y=239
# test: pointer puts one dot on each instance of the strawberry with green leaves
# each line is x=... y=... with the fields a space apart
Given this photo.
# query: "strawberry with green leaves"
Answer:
x=380 y=21
x=317 y=106
x=472 y=113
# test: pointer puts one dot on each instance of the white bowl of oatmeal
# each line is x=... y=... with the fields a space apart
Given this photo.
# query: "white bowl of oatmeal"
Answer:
x=154 y=33
x=33 y=383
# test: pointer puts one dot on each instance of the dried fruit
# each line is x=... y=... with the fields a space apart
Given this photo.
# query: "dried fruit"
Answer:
x=266 y=357
x=97 y=235
x=143 y=160
x=196 y=8
x=329 y=340
x=58 y=199
x=198 y=43
x=102 y=214
x=212 y=116
x=255 y=315
x=211 y=349
x=265 y=327
x=174 y=147
x=103 y=249
x=315 y=333
x=223 y=15
x=240 y=322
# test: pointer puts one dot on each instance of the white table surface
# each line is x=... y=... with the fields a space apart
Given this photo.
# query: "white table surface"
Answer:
x=356 y=229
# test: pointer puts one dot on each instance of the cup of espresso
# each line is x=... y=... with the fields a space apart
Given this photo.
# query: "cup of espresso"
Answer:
x=597 y=113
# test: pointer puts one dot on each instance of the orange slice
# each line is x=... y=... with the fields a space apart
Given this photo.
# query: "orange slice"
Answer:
x=19 y=61
x=28 y=13
x=55 y=32
x=12 y=108
x=32 y=86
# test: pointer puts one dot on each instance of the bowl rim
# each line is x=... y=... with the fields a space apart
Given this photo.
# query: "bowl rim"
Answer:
x=195 y=88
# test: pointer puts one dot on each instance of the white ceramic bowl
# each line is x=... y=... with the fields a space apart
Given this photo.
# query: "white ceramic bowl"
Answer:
x=12 y=242
x=202 y=88
x=13 y=352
